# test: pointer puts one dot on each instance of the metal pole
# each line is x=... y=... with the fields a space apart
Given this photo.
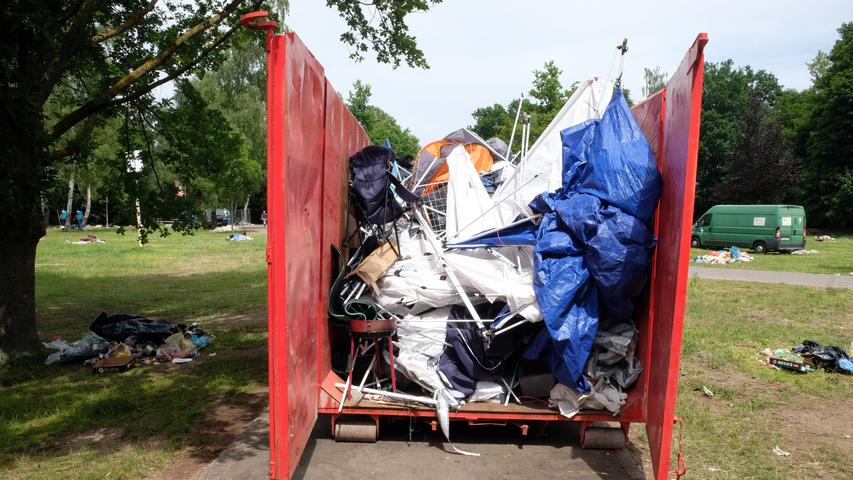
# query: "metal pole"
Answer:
x=430 y=235
x=514 y=125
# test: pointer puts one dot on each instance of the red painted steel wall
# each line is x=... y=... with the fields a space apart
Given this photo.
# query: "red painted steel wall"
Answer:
x=311 y=135
x=675 y=216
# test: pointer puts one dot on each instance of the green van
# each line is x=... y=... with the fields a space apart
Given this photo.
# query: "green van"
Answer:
x=763 y=228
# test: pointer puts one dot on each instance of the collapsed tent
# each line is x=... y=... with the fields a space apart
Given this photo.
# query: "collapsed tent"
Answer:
x=430 y=166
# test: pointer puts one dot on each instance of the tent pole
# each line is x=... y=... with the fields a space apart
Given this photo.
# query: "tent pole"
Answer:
x=451 y=275
x=514 y=125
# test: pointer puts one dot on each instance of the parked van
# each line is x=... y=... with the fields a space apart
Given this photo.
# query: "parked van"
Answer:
x=763 y=228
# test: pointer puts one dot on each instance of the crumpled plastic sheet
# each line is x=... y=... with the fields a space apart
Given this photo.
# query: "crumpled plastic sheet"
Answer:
x=601 y=396
x=420 y=340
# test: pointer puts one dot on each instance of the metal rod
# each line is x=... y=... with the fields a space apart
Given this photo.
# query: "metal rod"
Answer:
x=514 y=125
x=396 y=395
x=366 y=373
x=430 y=235
x=504 y=330
x=435 y=159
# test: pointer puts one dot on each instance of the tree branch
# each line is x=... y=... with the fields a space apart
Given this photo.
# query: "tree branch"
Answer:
x=177 y=73
x=130 y=23
x=103 y=100
x=71 y=43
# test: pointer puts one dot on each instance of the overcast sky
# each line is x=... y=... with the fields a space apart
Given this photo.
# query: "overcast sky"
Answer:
x=481 y=52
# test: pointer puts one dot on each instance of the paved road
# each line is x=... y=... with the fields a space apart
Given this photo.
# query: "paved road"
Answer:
x=504 y=454
x=791 y=278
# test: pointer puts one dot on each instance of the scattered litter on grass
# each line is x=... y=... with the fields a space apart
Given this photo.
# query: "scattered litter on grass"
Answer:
x=825 y=238
x=782 y=453
x=713 y=469
x=804 y=252
x=223 y=228
x=118 y=342
x=87 y=240
x=807 y=357
x=238 y=237
x=723 y=257
x=707 y=391
x=89 y=346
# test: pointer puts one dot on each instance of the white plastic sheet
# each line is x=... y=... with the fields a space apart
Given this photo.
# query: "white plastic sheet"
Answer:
x=541 y=171
x=469 y=208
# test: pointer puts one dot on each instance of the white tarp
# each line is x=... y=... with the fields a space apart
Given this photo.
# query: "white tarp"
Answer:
x=420 y=343
x=541 y=170
x=413 y=285
x=497 y=278
x=469 y=207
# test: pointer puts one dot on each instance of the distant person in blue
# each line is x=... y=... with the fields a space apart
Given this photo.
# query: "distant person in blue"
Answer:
x=80 y=220
x=63 y=218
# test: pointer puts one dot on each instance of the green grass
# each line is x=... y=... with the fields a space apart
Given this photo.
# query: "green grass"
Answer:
x=754 y=407
x=200 y=277
x=832 y=257
x=61 y=421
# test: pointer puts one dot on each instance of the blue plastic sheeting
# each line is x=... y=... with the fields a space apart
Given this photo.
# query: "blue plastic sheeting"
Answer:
x=519 y=233
x=611 y=159
x=593 y=245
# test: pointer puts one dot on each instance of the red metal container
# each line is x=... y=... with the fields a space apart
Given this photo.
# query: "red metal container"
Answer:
x=311 y=136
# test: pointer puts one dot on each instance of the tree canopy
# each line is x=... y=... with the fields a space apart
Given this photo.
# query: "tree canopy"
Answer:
x=545 y=99
x=378 y=124
x=75 y=71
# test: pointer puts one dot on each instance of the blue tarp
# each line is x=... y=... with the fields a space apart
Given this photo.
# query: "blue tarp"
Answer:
x=593 y=244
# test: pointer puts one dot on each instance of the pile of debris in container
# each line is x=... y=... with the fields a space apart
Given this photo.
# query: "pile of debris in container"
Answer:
x=499 y=276
x=119 y=342
x=723 y=257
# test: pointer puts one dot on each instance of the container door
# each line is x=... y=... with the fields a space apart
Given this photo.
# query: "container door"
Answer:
x=296 y=98
x=790 y=230
x=672 y=255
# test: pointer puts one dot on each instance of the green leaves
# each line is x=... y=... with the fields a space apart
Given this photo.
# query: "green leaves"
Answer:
x=381 y=25
x=547 y=97
x=378 y=124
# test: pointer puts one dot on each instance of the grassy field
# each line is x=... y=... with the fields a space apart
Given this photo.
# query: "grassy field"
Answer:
x=754 y=408
x=167 y=421
x=832 y=257
x=61 y=421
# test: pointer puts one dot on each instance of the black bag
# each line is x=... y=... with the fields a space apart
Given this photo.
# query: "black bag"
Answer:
x=119 y=327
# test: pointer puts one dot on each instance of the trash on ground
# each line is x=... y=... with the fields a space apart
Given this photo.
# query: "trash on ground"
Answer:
x=825 y=238
x=782 y=453
x=238 y=237
x=809 y=356
x=723 y=257
x=804 y=252
x=87 y=240
x=118 y=342
x=435 y=284
x=707 y=391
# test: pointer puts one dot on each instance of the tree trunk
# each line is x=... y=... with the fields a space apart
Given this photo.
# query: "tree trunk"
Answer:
x=246 y=218
x=19 y=238
x=45 y=213
x=88 y=204
x=70 y=202
x=138 y=223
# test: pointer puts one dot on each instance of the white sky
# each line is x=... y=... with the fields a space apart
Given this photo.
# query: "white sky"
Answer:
x=482 y=52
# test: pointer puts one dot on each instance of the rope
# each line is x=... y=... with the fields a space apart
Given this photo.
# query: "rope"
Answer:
x=681 y=464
